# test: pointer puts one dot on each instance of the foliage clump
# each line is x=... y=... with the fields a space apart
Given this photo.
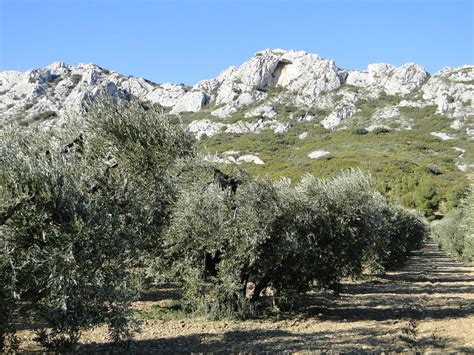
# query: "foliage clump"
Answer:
x=269 y=242
x=455 y=232
x=77 y=217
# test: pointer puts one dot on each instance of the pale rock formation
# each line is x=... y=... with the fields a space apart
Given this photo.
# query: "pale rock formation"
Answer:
x=303 y=135
x=464 y=166
x=457 y=124
x=318 y=154
x=215 y=158
x=452 y=91
x=208 y=128
x=232 y=157
x=460 y=150
x=461 y=164
x=231 y=152
x=305 y=118
x=305 y=74
x=410 y=103
x=225 y=111
x=241 y=101
x=386 y=112
x=65 y=89
x=470 y=132
x=204 y=127
x=340 y=113
x=277 y=127
x=266 y=111
x=267 y=81
x=243 y=127
x=192 y=101
x=240 y=127
x=443 y=136
x=373 y=127
x=390 y=79
x=248 y=158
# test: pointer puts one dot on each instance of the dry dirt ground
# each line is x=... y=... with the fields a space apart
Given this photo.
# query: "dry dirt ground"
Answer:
x=426 y=306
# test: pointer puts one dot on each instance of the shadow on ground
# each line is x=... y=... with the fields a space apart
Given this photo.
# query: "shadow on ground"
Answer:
x=381 y=313
x=257 y=341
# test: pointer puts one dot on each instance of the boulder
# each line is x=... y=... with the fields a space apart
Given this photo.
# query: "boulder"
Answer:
x=319 y=154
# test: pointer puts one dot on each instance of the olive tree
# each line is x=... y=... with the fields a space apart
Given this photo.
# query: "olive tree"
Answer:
x=78 y=217
x=454 y=233
x=233 y=252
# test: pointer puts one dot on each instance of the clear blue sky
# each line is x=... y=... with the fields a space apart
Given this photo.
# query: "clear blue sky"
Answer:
x=186 y=41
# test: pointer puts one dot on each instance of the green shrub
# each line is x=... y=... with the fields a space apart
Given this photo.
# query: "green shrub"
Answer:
x=454 y=233
x=433 y=169
x=380 y=130
x=76 y=78
x=360 y=131
x=45 y=115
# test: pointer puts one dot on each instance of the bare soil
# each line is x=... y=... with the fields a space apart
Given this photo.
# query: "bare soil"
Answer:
x=426 y=306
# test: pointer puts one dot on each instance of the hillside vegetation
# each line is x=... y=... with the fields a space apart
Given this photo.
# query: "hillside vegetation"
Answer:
x=90 y=217
x=410 y=167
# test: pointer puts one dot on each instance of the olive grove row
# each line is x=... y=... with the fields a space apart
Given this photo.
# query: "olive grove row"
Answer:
x=91 y=214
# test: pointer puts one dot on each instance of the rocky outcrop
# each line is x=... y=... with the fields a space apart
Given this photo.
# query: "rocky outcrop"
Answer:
x=387 y=78
x=235 y=157
x=297 y=72
x=208 y=128
x=319 y=154
x=340 y=113
x=266 y=111
x=311 y=87
x=63 y=89
x=442 y=135
x=192 y=101
x=452 y=91
x=202 y=128
x=249 y=158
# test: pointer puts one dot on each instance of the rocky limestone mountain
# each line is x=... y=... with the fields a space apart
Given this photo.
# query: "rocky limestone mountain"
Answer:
x=52 y=94
x=252 y=97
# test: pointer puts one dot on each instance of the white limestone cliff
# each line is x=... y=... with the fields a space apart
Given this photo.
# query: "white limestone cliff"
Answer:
x=269 y=80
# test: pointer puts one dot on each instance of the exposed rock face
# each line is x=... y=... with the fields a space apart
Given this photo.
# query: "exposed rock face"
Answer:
x=441 y=135
x=316 y=89
x=298 y=72
x=204 y=127
x=209 y=128
x=338 y=115
x=386 y=112
x=452 y=91
x=266 y=111
x=387 y=78
x=192 y=101
x=303 y=135
x=63 y=89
